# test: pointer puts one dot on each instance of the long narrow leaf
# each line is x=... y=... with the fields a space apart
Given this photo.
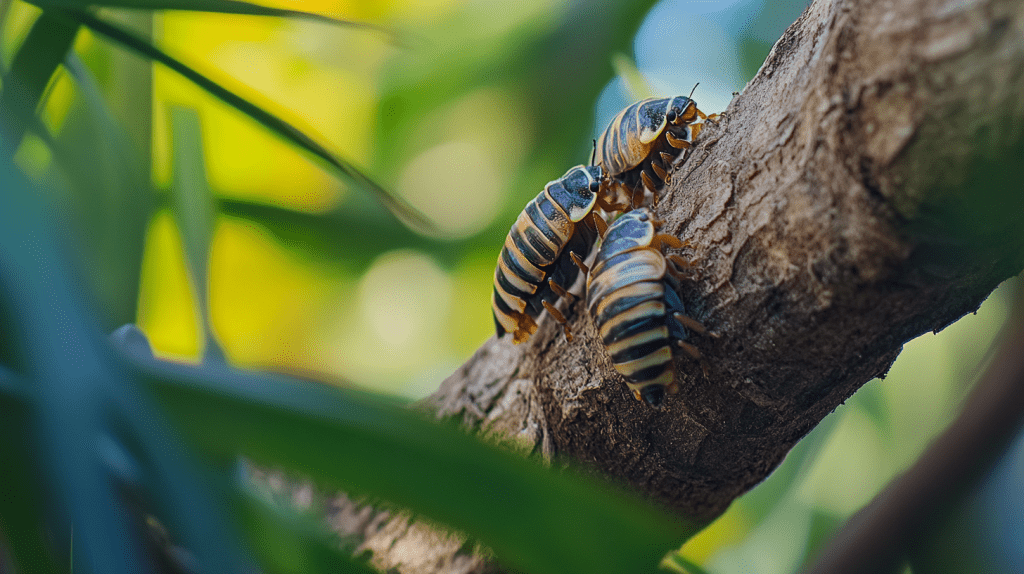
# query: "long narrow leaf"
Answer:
x=270 y=121
x=94 y=435
x=63 y=422
x=111 y=185
x=351 y=237
x=218 y=6
x=195 y=210
x=534 y=519
x=38 y=58
x=21 y=524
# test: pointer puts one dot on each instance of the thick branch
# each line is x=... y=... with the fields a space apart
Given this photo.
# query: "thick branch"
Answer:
x=863 y=189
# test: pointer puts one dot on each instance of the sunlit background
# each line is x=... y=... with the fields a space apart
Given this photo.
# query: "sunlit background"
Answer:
x=465 y=111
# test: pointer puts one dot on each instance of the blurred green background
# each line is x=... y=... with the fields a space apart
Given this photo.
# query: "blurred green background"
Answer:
x=217 y=236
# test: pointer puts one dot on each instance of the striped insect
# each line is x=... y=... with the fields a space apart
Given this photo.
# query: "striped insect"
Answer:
x=544 y=251
x=632 y=295
x=641 y=146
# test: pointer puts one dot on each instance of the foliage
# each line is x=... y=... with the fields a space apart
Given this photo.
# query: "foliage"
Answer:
x=117 y=459
x=137 y=456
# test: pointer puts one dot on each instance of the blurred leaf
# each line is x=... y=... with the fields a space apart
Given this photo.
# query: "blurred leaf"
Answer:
x=111 y=197
x=534 y=519
x=776 y=489
x=99 y=445
x=20 y=526
x=679 y=564
x=823 y=527
x=350 y=237
x=34 y=64
x=286 y=543
x=268 y=120
x=752 y=53
x=64 y=406
x=196 y=213
x=870 y=400
x=558 y=62
x=220 y=6
x=636 y=83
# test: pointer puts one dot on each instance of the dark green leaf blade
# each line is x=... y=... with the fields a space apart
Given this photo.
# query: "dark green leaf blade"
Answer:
x=351 y=237
x=268 y=120
x=21 y=524
x=37 y=59
x=534 y=519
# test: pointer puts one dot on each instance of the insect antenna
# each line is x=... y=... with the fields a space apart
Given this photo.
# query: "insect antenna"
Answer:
x=690 y=97
x=593 y=153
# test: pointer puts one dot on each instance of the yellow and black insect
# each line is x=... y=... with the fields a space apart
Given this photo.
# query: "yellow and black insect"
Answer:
x=642 y=145
x=633 y=297
x=544 y=251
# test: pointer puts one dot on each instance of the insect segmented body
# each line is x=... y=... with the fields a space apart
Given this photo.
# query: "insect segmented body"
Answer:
x=644 y=143
x=632 y=295
x=542 y=254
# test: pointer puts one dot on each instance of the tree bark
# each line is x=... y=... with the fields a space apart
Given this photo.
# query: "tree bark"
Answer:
x=864 y=188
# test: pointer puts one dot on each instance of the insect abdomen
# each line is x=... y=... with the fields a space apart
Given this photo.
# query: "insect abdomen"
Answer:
x=627 y=300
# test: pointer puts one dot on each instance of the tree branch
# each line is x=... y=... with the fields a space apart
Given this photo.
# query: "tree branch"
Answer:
x=902 y=516
x=863 y=189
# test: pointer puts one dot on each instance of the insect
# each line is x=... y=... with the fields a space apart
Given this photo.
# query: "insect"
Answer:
x=632 y=295
x=642 y=145
x=544 y=251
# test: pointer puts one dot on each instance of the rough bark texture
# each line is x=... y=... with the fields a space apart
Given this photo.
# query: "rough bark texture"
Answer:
x=866 y=187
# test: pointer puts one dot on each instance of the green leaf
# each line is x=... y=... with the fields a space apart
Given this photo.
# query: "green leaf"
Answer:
x=94 y=437
x=268 y=120
x=38 y=58
x=111 y=196
x=21 y=527
x=823 y=528
x=536 y=519
x=352 y=237
x=219 y=6
x=196 y=213
x=679 y=564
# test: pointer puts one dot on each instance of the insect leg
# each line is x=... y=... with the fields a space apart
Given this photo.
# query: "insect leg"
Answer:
x=679 y=261
x=689 y=349
x=670 y=240
x=610 y=207
x=648 y=181
x=676 y=142
x=638 y=194
x=690 y=323
x=560 y=291
x=599 y=223
x=560 y=318
x=579 y=263
x=659 y=171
